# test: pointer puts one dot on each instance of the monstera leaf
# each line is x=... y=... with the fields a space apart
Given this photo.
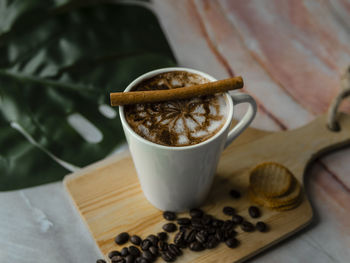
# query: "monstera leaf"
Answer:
x=58 y=62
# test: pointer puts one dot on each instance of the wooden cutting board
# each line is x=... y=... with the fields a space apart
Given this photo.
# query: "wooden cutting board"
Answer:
x=109 y=198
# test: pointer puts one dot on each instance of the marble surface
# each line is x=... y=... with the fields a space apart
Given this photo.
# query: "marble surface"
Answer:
x=290 y=54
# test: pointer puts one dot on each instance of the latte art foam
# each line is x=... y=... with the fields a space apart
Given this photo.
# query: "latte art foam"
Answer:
x=180 y=122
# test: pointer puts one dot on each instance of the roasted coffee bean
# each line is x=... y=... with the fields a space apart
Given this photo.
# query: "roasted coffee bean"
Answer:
x=134 y=251
x=129 y=259
x=232 y=242
x=145 y=244
x=182 y=244
x=197 y=222
x=228 y=225
x=247 y=226
x=162 y=236
x=196 y=246
x=154 y=239
x=237 y=219
x=153 y=250
x=141 y=260
x=113 y=253
x=207 y=219
x=212 y=242
x=183 y=221
x=254 y=212
x=166 y=256
x=122 y=238
x=217 y=223
x=235 y=194
x=211 y=230
x=147 y=255
x=170 y=216
x=169 y=227
x=228 y=210
x=261 y=226
x=118 y=259
x=229 y=234
x=175 y=250
x=136 y=240
x=163 y=246
x=201 y=237
x=195 y=212
x=220 y=235
x=190 y=236
x=184 y=228
x=101 y=261
x=179 y=237
x=124 y=252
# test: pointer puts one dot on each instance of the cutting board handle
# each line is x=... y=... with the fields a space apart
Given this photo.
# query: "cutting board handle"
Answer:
x=311 y=141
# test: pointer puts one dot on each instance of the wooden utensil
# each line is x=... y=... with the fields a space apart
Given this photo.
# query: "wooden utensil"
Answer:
x=110 y=200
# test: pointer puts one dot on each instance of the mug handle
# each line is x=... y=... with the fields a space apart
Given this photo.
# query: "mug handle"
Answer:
x=247 y=118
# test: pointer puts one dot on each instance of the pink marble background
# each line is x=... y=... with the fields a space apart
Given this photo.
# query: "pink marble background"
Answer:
x=291 y=54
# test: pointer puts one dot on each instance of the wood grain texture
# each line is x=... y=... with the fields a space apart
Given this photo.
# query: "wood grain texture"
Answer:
x=110 y=200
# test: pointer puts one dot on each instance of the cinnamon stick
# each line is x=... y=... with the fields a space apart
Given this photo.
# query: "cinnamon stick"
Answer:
x=135 y=97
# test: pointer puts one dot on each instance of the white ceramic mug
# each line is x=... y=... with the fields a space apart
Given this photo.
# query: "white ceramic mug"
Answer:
x=179 y=178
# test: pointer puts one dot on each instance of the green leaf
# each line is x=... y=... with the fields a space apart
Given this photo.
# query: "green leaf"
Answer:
x=58 y=62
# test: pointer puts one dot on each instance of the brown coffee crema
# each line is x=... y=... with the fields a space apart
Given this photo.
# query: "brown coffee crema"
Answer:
x=179 y=122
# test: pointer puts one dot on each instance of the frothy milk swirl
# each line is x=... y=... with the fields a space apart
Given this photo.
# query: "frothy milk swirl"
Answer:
x=180 y=122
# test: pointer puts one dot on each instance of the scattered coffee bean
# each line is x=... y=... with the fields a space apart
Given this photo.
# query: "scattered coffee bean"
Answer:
x=174 y=250
x=220 y=235
x=124 y=252
x=134 y=251
x=166 y=256
x=211 y=230
x=170 y=216
x=197 y=223
x=163 y=246
x=207 y=219
x=212 y=242
x=201 y=237
x=228 y=210
x=129 y=259
x=179 y=237
x=145 y=244
x=162 y=236
x=261 y=226
x=118 y=259
x=232 y=242
x=154 y=239
x=147 y=255
x=235 y=194
x=122 y=238
x=101 y=261
x=229 y=234
x=113 y=253
x=141 y=260
x=154 y=251
x=183 y=221
x=184 y=228
x=190 y=236
x=196 y=246
x=195 y=212
x=247 y=226
x=217 y=223
x=136 y=240
x=237 y=219
x=169 y=227
x=254 y=212
x=228 y=225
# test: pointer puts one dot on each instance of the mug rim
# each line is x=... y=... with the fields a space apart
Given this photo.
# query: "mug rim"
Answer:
x=155 y=72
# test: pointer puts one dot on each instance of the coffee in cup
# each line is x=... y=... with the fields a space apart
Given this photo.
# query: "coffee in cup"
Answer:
x=179 y=122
